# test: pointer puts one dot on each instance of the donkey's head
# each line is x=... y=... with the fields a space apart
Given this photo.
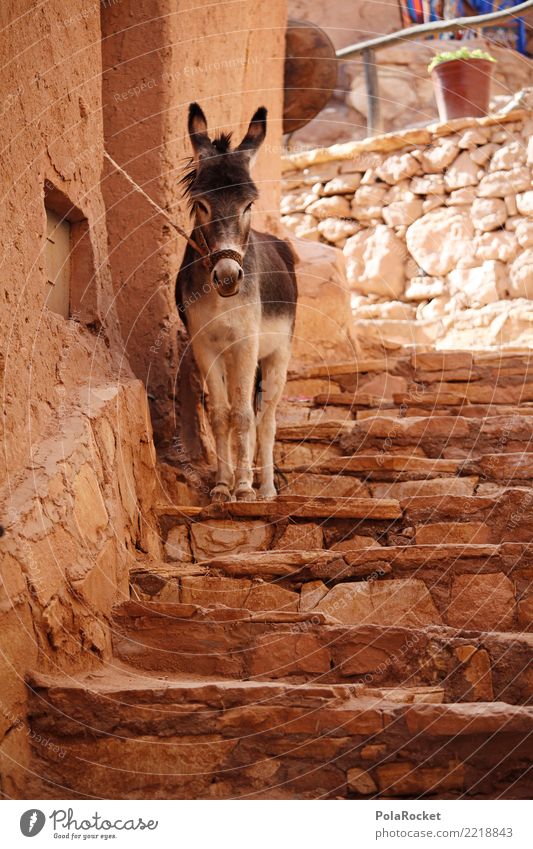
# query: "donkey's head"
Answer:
x=221 y=191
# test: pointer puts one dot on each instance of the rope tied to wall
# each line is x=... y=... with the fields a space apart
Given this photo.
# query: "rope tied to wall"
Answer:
x=158 y=208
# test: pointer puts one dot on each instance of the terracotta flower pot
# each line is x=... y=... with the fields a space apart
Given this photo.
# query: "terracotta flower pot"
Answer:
x=462 y=88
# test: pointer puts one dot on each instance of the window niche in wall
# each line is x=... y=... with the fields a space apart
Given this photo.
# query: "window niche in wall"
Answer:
x=57 y=264
x=69 y=260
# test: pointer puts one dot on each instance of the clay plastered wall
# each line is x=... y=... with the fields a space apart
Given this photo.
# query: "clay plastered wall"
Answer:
x=158 y=58
x=52 y=132
x=76 y=469
x=432 y=223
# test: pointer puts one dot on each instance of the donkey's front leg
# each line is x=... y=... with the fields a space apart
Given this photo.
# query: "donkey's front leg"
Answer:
x=212 y=368
x=241 y=368
x=274 y=369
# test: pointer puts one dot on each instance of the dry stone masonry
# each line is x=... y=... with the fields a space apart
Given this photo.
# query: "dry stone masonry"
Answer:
x=436 y=228
x=367 y=634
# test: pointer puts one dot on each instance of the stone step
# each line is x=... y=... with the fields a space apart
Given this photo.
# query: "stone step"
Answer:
x=437 y=436
x=354 y=400
x=362 y=366
x=381 y=466
x=504 y=468
x=419 y=395
x=440 y=394
x=433 y=436
x=492 y=476
x=483 y=363
x=503 y=516
x=407 y=392
x=490 y=367
x=444 y=363
x=303 y=414
x=467 y=586
x=328 y=430
x=467 y=664
x=454 y=394
x=509 y=514
x=294 y=483
x=405 y=405
x=467 y=411
x=321 y=485
x=213 y=738
x=292 y=506
x=347 y=559
x=304 y=453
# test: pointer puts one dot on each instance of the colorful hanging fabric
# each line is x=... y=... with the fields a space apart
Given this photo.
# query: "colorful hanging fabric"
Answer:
x=423 y=11
x=412 y=12
x=510 y=33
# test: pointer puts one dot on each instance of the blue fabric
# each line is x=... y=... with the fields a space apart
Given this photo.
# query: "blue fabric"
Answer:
x=510 y=33
x=414 y=11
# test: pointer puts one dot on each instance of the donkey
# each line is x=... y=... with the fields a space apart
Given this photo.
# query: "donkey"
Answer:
x=238 y=303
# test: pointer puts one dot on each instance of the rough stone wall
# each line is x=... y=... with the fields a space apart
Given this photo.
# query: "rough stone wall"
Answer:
x=432 y=223
x=76 y=469
x=406 y=91
x=158 y=58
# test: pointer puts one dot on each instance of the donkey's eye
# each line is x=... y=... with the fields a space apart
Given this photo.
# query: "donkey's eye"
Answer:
x=249 y=207
x=202 y=207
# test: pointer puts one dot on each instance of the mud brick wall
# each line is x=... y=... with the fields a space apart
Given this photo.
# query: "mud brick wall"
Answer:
x=77 y=469
x=159 y=57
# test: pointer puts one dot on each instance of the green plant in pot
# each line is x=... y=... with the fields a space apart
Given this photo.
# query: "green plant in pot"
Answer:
x=462 y=82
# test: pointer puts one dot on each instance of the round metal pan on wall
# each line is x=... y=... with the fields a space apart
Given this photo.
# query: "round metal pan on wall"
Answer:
x=310 y=73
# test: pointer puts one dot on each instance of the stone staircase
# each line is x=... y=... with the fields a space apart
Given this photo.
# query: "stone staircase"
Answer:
x=368 y=634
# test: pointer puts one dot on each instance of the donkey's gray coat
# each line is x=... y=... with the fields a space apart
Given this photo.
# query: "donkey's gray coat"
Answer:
x=239 y=309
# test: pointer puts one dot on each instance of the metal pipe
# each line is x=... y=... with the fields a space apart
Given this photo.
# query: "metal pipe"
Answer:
x=373 y=120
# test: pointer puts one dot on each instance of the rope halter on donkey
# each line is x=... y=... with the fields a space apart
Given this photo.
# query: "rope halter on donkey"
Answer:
x=213 y=257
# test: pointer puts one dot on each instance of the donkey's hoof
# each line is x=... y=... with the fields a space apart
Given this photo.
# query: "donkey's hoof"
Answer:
x=220 y=494
x=267 y=494
x=245 y=493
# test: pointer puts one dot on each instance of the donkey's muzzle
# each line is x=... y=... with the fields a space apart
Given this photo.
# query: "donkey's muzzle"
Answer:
x=226 y=277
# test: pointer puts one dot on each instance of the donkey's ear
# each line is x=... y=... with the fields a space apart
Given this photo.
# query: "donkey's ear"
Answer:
x=255 y=135
x=197 y=125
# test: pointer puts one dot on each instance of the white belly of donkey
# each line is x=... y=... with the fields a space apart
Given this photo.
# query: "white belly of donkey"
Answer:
x=275 y=334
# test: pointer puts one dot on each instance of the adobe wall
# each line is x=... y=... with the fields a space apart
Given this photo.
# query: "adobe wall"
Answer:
x=159 y=57
x=77 y=473
x=76 y=469
x=53 y=129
